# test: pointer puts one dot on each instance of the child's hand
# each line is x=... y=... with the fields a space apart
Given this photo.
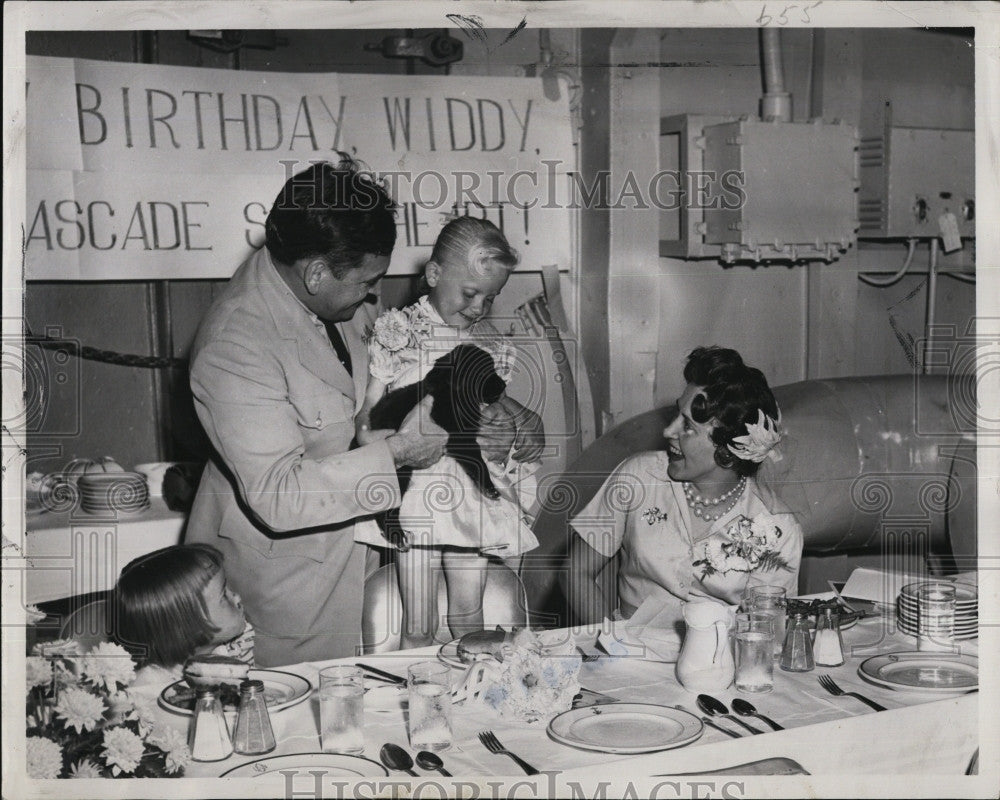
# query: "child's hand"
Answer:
x=529 y=432
x=496 y=433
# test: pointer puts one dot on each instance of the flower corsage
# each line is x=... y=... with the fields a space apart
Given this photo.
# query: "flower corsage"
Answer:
x=746 y=545
x=531 y=680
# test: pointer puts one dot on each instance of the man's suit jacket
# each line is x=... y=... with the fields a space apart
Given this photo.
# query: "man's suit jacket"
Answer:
x=282 y=495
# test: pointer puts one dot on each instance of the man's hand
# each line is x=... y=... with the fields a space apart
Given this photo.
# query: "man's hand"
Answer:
x=529 y=432
x=420 y=441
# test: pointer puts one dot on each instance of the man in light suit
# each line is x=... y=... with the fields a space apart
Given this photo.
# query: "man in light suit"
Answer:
x=278 y=371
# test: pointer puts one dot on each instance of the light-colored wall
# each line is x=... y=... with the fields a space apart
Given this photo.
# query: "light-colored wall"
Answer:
x=792 y=322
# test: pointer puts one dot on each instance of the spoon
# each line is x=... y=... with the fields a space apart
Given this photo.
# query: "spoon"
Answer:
x=395 y=757
x=716 y=708
x=745 y=709
x=428 y=760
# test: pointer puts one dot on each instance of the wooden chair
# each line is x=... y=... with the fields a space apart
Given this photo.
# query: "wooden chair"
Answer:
x=504 y=603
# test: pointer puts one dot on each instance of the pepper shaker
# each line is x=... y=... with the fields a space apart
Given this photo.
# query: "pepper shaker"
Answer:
x=254 y=735
x=797 y=652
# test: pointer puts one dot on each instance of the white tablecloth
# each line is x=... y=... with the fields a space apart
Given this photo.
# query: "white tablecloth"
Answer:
x=72 y=552
x=921 y=733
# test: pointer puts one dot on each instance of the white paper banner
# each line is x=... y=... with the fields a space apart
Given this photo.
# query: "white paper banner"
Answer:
x=149 y=171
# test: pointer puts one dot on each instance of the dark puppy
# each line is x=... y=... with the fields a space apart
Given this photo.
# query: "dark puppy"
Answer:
x=460 y=383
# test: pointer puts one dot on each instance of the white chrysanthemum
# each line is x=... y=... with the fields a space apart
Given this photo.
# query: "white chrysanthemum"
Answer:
x=109 y=664
x=143 y=711
x=57 y=648
x=122 y=750
x=392 y=330
x=80 y=709
x=766 y=531
x=38 y=671
x=420 y=319
x=715 y=553
x=382 y=364
x=44 y=757
x=85 y=768
x=177 y=755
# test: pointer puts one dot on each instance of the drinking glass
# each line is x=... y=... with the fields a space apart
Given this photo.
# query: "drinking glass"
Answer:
x=936 y=618
x=754 y=653
x=342 y=709
x=429 y=705
x=770 y=600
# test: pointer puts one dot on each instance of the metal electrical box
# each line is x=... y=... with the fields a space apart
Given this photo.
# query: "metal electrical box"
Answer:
x=910 y=177
x=764 y=191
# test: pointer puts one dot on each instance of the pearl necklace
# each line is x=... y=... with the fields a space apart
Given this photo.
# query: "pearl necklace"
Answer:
x=699 y=505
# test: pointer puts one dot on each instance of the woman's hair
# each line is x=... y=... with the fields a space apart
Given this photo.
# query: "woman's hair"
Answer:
x=732 y=395
x=474 y=242
x=340 y=212
x=159 y=607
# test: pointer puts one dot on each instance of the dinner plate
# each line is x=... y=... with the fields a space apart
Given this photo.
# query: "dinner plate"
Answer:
x=965 y=593
x=281 y=690
x=925 y=672
x=960 y=636
x=960 y=624
x=331 y=764
x=448 y=653
x=625 y=728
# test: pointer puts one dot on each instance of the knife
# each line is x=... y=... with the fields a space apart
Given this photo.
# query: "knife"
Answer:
x=766 y=766
x=388 y=676
x=588 y=697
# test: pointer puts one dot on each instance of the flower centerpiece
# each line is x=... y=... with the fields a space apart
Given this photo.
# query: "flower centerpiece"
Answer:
x=747 y=545
x=83 y=722
x=530 y=680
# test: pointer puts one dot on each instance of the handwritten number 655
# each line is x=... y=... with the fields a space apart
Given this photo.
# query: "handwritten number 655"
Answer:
x=766 y=19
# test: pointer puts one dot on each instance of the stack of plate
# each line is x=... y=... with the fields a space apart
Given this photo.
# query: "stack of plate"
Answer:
x=966 y=608
x=113 y=492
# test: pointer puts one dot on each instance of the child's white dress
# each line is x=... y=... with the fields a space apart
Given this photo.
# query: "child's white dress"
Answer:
x=441 y=505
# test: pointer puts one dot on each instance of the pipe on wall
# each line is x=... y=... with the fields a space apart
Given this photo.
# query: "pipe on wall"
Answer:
x=776 y=104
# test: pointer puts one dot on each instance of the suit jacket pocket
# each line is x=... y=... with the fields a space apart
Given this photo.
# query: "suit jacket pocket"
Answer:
x=318 y=411
x=239 y=526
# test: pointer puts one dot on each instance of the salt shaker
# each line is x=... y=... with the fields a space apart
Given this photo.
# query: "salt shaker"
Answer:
x=797 y=652
x=208 y=736
x=254 y=735
x=828 y=648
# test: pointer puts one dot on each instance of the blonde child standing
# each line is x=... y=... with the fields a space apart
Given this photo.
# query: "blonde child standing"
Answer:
x=446 y=523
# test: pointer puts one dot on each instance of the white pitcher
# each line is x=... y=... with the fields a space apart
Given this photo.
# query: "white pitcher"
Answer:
x=705 y=663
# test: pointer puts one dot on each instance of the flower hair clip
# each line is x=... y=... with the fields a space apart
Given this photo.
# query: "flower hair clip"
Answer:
x=761 y=439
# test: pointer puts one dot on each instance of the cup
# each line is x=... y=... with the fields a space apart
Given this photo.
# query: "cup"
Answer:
x=936 y=618
x=154 y=473
x=755 y=657
x=342 y=709
x=429 y=705
x=770 y=600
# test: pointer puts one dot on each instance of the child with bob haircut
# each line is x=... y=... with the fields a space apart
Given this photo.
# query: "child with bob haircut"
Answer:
x=172 y=604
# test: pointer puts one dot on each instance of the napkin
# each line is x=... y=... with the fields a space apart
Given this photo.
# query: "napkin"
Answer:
x=652 y=632
x=876 y=586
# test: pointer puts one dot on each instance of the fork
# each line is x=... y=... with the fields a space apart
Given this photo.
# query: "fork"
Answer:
x=828 y=683
x=491 y=743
